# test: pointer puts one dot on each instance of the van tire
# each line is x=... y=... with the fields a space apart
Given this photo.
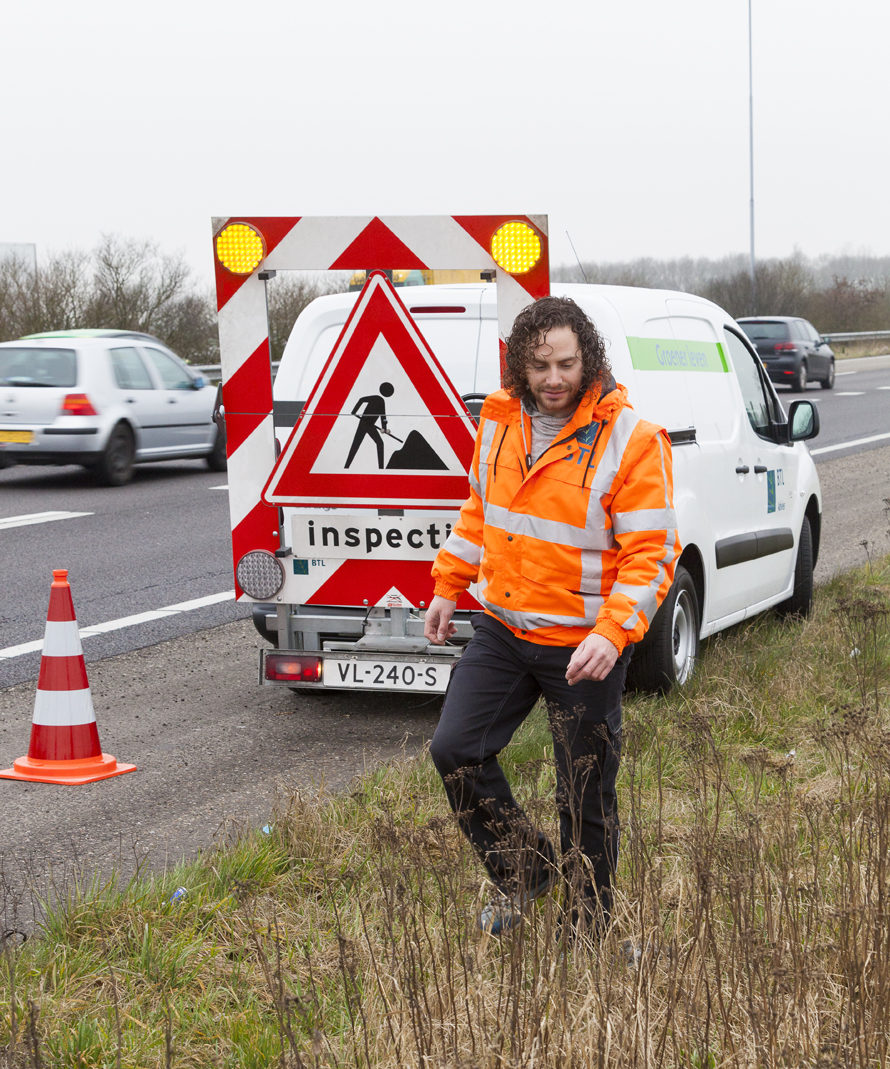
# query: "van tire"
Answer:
x=668 y=654
x=115 y=466
x=801 y=601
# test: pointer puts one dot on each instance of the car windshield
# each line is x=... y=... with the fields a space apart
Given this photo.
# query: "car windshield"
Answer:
x=766 y=330
x=24 y=366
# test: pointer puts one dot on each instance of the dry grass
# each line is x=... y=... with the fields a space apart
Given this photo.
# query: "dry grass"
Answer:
x=754 y=878
x=846 y=350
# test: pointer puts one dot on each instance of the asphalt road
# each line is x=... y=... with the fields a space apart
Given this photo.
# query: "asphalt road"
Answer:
x=162 y=540
x=178 y=694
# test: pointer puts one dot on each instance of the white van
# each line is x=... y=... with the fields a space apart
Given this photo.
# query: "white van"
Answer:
x=746 y=490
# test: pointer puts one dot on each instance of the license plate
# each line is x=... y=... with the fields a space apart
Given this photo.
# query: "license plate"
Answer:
x=385 y=675
x=19 y=437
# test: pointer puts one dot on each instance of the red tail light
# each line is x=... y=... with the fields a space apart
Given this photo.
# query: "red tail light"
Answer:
x=78 y=404
x=298 y=668
x=784 y=346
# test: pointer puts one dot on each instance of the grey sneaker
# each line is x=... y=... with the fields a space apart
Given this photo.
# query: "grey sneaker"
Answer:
x=505 y=912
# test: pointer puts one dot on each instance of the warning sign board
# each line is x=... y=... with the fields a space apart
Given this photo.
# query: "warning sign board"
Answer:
x=383 y=426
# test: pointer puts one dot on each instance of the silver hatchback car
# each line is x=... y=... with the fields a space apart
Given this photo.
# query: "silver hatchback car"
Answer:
x=105 y=399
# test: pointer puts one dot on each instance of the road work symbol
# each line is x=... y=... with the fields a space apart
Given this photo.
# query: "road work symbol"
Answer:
x=416 y=453
x=383 y=427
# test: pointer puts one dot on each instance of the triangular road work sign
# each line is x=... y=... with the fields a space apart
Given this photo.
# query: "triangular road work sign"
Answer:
x=383 y=427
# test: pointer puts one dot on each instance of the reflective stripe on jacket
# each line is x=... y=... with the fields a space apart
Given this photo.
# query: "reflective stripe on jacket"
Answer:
x=584 y=541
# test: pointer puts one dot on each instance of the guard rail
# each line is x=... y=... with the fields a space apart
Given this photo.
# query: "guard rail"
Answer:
x=213 y=372
x=860 y=335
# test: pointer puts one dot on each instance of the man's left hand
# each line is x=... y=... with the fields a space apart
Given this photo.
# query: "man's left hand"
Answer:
x=593 y=659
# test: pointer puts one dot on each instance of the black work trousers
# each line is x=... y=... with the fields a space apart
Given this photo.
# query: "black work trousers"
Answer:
x=493 y=688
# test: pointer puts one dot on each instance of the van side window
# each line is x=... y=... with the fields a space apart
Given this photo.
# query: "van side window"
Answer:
x=759 y=401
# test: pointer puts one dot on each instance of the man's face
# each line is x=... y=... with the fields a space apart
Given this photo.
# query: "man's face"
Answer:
x=555 y=371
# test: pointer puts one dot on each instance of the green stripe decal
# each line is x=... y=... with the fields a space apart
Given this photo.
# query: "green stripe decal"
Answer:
x=669 y=354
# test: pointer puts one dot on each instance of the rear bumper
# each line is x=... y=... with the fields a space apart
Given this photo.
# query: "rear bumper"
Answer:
x=350 y=648
x=782 y=369
x=52 y=445
x=349 y=668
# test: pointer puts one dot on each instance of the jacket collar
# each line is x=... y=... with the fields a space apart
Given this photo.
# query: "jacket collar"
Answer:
x=599 y=403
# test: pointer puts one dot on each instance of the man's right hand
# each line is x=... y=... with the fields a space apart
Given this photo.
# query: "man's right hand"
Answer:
x=437 y=625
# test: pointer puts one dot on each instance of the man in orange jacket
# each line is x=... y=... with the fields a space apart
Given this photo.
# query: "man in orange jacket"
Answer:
x=570 y=531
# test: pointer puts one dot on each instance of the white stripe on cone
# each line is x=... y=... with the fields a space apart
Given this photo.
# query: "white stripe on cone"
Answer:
x=63 y=708
x=61 y=639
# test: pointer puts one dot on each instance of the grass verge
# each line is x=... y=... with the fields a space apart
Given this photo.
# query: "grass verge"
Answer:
x=754 y=879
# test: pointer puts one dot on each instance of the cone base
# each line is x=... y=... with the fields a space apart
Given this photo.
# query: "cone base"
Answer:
x=71 y=773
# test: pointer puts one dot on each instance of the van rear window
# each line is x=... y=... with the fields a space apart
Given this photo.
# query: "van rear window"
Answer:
x=27 y=366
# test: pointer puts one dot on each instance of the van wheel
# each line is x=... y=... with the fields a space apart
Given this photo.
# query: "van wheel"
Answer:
x=667 y=655
x=799 y=382
x=828 y=382
x=801 y=601
x=115 y=466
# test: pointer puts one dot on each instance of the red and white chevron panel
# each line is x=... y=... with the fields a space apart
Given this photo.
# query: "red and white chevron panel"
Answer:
x=331 y=243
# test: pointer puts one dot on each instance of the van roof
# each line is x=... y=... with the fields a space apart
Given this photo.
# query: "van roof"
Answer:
x=634 y=303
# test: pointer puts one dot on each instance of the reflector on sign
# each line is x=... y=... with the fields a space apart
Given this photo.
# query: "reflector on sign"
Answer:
x=260 y=574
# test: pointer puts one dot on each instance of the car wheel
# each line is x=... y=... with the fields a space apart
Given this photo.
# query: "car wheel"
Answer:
x=667 y=655
x=115 y=467
x=799 y=382
x=216 y=458
x=801 y=601
x=828 y=382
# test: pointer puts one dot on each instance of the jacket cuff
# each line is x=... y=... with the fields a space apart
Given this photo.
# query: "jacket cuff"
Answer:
x=444 y=589
x=610 y=630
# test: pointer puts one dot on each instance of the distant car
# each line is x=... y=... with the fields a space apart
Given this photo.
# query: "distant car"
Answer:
x=792 y=350
x=105 y=399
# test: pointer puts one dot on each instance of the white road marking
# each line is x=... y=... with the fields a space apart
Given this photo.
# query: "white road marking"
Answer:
x=884 y=387
x=38 y=517
x=849 y=393
x=224 y=487
x=849 y=445
x=126 y=621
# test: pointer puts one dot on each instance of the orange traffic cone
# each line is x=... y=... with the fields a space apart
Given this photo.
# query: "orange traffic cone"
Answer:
x=64 y=738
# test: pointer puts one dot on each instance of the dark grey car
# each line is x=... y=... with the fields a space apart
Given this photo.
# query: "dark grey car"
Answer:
x=792 y=350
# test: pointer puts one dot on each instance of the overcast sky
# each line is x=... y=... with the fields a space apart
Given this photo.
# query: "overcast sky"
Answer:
x=625 y=122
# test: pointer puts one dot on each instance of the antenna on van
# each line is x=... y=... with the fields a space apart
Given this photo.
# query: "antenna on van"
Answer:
x=577 y=257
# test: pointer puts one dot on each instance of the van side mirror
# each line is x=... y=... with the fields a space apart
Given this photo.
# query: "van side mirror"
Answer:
x=199 y=382
x=803 y=421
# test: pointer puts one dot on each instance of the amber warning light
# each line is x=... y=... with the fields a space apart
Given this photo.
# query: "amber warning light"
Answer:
x=516 y=247
x=240 y=248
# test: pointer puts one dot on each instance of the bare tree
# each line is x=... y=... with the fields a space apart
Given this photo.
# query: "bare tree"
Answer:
x=134 y=284
x=287 y=296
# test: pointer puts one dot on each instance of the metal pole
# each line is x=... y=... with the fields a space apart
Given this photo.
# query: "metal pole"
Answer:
x=751 y=154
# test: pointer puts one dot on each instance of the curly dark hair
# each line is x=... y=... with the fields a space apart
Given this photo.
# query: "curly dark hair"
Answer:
x=538 y=318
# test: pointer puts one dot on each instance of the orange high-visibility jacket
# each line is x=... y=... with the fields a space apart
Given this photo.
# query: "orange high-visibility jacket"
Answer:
x=584 y=541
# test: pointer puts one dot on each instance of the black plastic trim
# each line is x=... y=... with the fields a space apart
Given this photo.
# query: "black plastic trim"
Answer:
x=752 y=545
